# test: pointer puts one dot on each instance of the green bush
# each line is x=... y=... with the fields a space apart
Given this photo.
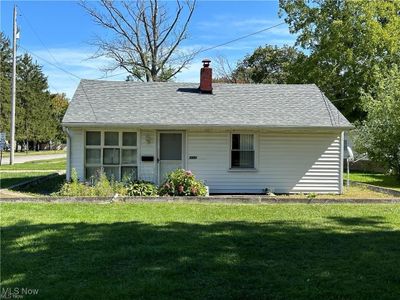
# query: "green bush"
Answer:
x=100 y=187
x=182 y=183
x=178 y=183
x=140 y=188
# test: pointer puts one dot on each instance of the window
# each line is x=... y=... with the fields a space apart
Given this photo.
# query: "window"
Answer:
x=113 y=152
x=242 y=151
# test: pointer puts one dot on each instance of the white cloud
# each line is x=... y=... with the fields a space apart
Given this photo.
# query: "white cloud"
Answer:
x=59 y=62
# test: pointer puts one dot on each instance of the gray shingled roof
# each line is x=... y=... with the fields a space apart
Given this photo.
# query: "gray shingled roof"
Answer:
x=180 y=104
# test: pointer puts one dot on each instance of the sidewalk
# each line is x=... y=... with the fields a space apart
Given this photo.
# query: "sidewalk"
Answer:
x=22 y=159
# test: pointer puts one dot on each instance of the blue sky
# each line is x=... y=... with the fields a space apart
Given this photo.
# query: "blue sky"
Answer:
x=65 y=29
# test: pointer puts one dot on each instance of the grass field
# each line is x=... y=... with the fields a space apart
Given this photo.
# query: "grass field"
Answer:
x=50 y=164
x=383 y=180
x=202 y=251
x=43 y=188
x=9 y=179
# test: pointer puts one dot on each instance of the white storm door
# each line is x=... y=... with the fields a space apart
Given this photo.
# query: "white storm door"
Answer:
x=170 y=154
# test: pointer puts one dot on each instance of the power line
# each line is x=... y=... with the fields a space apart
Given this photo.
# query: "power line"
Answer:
x=38 y=37
x=50 y=63
x=213 y=47
x=118 y=74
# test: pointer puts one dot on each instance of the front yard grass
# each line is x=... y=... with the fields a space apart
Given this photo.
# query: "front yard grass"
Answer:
x=44 y=188
x=9 y=179
x=389 y=181
x=202 y=251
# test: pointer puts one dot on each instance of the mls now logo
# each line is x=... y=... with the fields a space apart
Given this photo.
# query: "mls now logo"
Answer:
x=17 y=293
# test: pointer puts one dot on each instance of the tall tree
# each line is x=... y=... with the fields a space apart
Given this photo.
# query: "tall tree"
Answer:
x=345 y=40
x=59 y=104
x=379 y=134
x=5 y=83
x=35 y=121
x=272 y=64
x=145 y=36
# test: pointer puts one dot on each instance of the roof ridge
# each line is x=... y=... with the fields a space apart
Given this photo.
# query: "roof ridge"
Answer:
x=214 y=83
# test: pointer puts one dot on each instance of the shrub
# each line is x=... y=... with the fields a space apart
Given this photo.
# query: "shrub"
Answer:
x=140 y=188
x=100 y=186
x=182 y=183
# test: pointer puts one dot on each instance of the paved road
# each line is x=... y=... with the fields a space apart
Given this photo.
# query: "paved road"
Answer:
x=25 y=158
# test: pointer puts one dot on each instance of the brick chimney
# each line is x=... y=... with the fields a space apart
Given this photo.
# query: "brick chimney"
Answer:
x=206 y=77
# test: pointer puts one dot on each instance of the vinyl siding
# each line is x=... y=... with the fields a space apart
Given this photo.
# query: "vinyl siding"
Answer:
x=285 y=163
x=77 y=152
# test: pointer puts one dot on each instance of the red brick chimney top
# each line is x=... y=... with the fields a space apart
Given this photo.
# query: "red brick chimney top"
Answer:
x=206 y=77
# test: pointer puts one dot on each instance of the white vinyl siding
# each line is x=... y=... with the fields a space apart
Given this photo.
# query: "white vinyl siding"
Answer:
x=77 y=159
x=287 y=163
x=284 y=162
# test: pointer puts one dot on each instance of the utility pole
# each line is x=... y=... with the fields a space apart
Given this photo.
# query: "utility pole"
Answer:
x=13 y=87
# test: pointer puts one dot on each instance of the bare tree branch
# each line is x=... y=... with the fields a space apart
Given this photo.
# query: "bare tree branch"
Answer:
x=224 y=70
x=145 y=36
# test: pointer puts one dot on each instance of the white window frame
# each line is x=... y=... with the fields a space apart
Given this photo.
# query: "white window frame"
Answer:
x=120 y=146
x=255 y=146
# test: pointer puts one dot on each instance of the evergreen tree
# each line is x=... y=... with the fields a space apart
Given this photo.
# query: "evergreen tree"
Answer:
x=35 y=121
x=5 y=83
x=38 y=113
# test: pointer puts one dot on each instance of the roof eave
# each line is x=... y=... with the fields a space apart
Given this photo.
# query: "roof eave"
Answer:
x=189 y=126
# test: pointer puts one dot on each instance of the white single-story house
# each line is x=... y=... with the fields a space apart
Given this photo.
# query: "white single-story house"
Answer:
x=237 y=138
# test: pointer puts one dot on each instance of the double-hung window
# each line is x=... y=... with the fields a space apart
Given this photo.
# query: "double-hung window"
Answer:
x=242 y=151
x=113 y=152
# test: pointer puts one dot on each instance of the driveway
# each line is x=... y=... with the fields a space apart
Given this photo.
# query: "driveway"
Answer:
x=21 y=159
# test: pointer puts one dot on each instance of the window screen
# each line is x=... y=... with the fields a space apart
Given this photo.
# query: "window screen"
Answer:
x=170 y=146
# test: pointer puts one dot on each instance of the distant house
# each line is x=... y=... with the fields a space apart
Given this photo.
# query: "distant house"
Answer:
x=238 y=138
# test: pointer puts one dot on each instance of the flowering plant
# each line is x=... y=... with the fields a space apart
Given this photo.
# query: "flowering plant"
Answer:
x=182 y=183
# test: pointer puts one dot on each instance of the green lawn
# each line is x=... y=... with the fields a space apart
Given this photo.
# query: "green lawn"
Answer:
x=50 y=164
x=202 y=251
x=388 y=181
x=9 y=179
x=43 y=188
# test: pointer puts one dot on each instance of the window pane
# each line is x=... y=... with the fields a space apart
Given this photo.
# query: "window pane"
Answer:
x=112 y=172
x=129 y=172
x=111 y=156
x=92 y=172
x=111 y=139
x=93 y=156
x=128 y=156
x=93 y=138
x=242 y=159
x=129 y=139
x=235 y=141
x=242 y=142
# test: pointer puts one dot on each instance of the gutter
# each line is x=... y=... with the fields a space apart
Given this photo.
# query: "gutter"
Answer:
x=68 y=171
x=219 y=126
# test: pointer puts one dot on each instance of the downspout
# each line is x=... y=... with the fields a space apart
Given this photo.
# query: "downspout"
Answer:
x=341 y=163
x=68 y=171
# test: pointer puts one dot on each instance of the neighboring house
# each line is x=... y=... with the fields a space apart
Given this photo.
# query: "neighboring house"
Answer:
x=238 y=138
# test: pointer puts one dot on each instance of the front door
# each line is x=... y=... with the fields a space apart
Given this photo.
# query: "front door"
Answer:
x=170 y=156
